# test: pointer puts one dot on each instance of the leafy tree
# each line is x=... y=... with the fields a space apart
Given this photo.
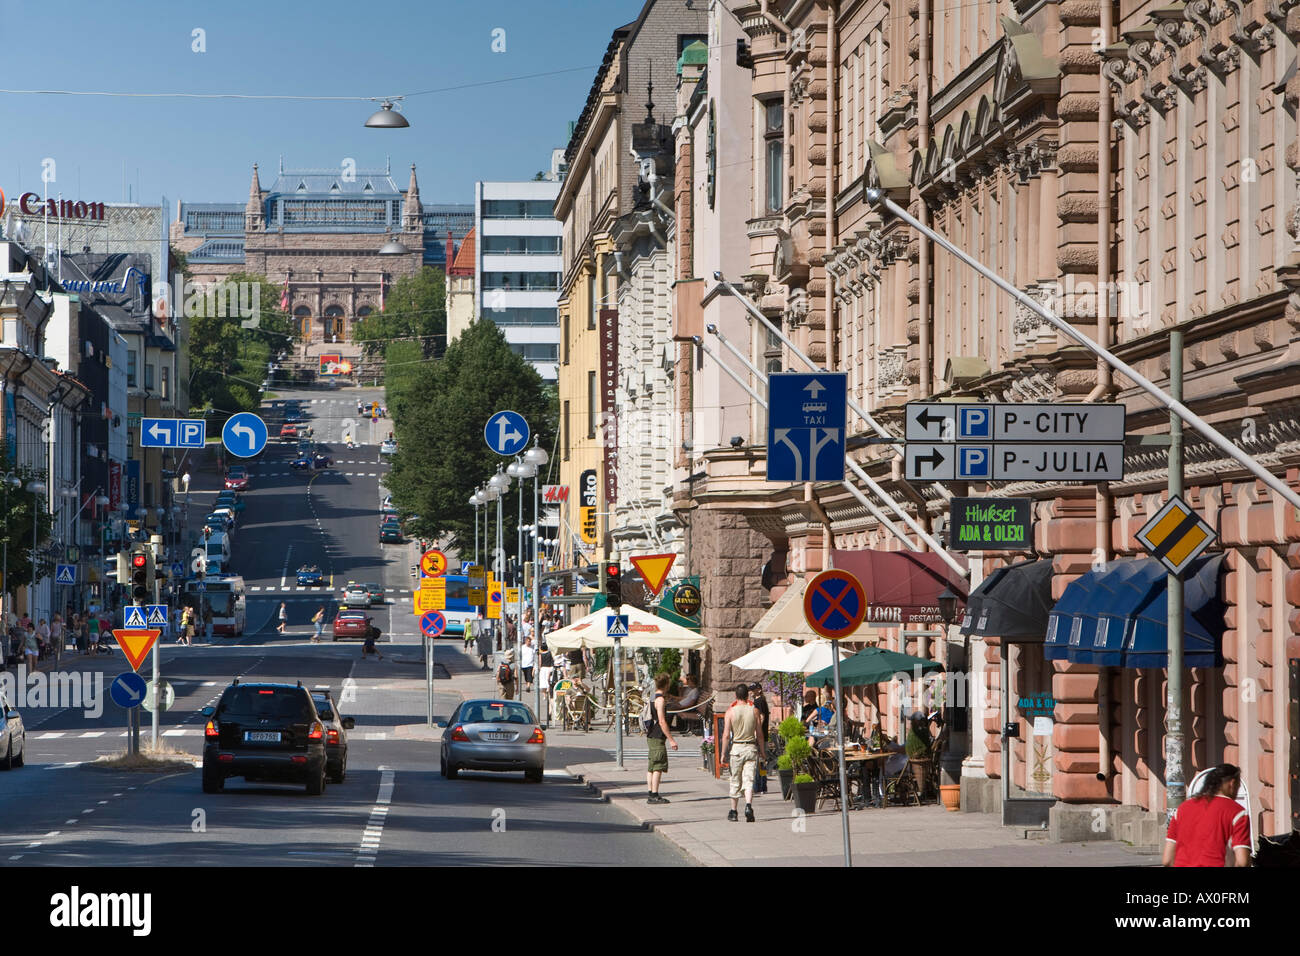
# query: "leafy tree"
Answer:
x=16 y=529
x=415 y=309
x=439 y=422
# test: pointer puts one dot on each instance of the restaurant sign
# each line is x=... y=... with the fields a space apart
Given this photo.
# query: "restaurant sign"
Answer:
x=991 y=524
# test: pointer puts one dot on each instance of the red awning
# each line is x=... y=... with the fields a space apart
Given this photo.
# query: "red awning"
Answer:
x=902 y=587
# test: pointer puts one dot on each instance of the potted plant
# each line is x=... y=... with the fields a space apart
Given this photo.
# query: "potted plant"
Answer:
x=785 y=771
x=918 y=751
x=799 y=751
x=706 y=751
x=805 y=793
x=788 y=729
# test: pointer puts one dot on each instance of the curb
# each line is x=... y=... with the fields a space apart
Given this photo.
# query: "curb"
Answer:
x=649 y=819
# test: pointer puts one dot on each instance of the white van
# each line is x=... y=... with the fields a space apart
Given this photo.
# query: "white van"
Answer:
x=218 y=552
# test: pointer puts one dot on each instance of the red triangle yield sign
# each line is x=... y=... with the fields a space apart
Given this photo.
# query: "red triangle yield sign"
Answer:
x=136 y=643
x=654 y=570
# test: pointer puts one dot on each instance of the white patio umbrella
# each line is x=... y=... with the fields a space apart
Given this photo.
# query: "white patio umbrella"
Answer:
x=770 y=657
x=814 y=656
x=644 y=630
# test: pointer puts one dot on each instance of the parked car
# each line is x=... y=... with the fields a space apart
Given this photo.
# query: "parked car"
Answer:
x=264 y=731
x=237 y=478
x=349 y=623
x=219 y=520
x=390 y=533
x=387 y=447
x=493 y=735
x=13 y=735
x=336 y=736
x=309 y=574
x=228 y=499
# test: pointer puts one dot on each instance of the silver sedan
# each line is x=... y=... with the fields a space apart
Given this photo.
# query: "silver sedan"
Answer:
x=493 y=735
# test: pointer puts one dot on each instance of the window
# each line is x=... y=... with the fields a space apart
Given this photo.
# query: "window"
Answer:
x=130 y=368
x=522 y=245
x=565 y=337
x=686 y=39
x=531 y=317
x=518 y=209
x=774 y=149
x=593 y=404
x=591 y=300
x=522 y=281
x=166 y=382
x=536 y=351
x=148 y=376
x=566 y=430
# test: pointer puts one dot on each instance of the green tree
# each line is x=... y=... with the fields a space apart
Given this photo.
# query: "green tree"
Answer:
x=439 y=422
x=16 y=530
x=415 y=309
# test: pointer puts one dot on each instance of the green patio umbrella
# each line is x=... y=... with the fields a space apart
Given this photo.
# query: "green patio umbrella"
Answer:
x=870 y=666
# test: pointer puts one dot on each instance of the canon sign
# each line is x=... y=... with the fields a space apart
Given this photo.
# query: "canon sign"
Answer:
x=32 y=205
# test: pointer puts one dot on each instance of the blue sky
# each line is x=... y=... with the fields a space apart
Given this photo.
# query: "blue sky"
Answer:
x=203 y=150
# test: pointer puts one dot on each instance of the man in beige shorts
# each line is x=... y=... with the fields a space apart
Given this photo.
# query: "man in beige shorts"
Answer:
x=742 y=732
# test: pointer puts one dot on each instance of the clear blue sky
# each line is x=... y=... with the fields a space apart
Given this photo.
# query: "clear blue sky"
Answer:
x=203 y=150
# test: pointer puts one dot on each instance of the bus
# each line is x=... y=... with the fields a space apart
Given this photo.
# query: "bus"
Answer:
x=459 y=612
x=224 y=594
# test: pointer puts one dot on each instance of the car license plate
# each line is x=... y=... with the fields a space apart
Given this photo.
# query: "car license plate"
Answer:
x=490 y=735
x=262 y=736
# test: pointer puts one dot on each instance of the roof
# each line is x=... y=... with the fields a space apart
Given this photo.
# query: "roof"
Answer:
x=465 y=260
x=695 y=54
x=326 y=183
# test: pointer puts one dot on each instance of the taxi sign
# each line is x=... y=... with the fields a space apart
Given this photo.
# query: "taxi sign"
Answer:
x=136 y=643
x=834 y=604
x=433 y=563
x=494 y=595
x=654 y=569
x=1175 y=535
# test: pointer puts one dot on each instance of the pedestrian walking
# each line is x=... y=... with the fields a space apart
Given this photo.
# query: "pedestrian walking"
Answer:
x=92 y=633
x=318 y=624
x=742 y=739
x=764 y=720
x=527 y=660
x=546 y=668
x=58 y=637
x=506 y=676
x=207 y=623
x=187 y=625
x=31 y=647
x=284 y=617
x=43 y=638
x=659 y=738
x=484 y=640
x=1205 y=827
x=372 y=635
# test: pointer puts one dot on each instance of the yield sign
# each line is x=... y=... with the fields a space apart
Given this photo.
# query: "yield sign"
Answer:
x=834 y=604
x=654 y=569
x=136 y=644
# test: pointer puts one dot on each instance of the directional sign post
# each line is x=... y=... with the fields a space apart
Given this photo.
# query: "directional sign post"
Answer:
x=172 y=432
x=244 y=434
x=806 y=421
x=128 y=690
x=834 y=604
x=65 y=574
x=506 y=433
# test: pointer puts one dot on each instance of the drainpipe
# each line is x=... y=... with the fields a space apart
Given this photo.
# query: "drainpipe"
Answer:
x=772 y=18
x=828 y=536
x=832 y=237
x=923 y=142
x=1105 y=760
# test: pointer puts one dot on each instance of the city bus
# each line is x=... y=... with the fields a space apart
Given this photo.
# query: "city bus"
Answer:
x=459 y=612
x=224 y=594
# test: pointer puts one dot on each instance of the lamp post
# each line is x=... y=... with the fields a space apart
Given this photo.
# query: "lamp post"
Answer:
x=35 y=488
x=476 y=499
x=10 y=480
x=500 y=483
x=950 y=762
x=490 y=494
x=523 y=469
x=536 y=457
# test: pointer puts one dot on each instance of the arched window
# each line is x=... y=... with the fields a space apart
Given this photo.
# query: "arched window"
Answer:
x=333 y=321
x=303 y=316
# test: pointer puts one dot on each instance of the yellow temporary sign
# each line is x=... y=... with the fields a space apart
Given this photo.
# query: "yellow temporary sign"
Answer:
x=512 y=596
x=494 y=596
x=432 y=596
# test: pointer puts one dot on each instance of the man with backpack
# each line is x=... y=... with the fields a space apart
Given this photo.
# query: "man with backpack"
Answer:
x=506 y=676
x=654 y=720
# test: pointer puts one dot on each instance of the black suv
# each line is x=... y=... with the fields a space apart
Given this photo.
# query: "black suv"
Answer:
x=264 y=732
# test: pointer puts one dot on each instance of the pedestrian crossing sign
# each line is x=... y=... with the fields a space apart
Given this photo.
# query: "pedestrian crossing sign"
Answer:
x=65 y=574
x=616 y=626
x=135 y=617
x=156 y=615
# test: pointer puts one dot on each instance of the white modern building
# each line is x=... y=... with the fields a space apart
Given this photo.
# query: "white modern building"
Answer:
x=517 y=266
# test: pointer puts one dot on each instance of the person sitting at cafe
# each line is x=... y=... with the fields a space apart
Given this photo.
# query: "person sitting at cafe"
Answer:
x=685 y=706
x=824 y=717
x=809 y=707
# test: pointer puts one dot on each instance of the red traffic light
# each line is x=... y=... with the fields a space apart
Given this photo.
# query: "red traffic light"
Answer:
x=137 y=560
x=612 y=571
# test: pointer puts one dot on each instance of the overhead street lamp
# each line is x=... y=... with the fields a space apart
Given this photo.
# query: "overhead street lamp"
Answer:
x=387 y=118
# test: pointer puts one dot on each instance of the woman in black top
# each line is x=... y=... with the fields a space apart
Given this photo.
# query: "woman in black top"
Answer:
x=760 y=704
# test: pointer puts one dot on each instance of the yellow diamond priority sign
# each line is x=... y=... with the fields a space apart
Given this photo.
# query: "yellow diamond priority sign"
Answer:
x=1176 y=535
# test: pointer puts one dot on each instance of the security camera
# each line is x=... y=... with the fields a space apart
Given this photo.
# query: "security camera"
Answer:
x=737 y=441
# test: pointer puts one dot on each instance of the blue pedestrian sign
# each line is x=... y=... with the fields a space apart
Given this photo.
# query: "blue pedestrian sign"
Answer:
x=506 y=433
x=172 y=432
x=616 y=626
x=134 y=617
x=178 y=569
x=244 y=434
x=806 y=419
x=432 y=623
x=128 y=690
x=65 y=574
x=156 y=615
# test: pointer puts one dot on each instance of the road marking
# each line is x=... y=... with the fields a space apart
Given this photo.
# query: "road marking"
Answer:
x=92 y=733
x=50 y=735
x=69 y=822
x=373 y=834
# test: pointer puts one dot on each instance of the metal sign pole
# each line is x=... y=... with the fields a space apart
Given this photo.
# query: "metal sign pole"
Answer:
x=618 y=695
x=839 y=734
x=428 y=676
x=1175 y=779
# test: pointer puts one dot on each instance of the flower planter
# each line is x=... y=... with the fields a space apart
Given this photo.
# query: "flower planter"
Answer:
x=805 y=796
x=920 y=772
x=950 y=794
x=707 y=754
x=787 y=781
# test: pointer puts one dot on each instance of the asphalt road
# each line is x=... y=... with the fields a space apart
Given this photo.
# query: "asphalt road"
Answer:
x=393 y=808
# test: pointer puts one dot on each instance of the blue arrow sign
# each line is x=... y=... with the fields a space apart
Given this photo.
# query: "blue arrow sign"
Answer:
x=616 y=625
x=65 y=574
x=134 y=617
x=244 y=434
x=128 y=690
x=506 y=433
x=806 y=419
x=158 y=432
x=432 y=623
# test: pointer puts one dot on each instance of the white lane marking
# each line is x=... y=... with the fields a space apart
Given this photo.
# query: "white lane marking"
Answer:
x=92 y=733
x=288 y=554
x=102 y=802
x=373 y=834
x=50 y=735
x=69 y=822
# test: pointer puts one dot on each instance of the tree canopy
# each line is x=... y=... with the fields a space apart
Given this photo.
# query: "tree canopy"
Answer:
x=415 y=309
x=439 y=415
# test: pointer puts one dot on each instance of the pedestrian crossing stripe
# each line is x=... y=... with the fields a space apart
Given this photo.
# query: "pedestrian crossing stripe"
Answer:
x=135 y=617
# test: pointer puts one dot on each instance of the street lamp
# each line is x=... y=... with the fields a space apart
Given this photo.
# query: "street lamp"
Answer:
x=393 y=247
x=11 y=480
x=536 y=458
x=387 y=118
x=499 y=484
x=35 y=488
x=477 y=500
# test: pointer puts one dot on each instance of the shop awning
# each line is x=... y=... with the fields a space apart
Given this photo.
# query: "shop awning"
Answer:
x=784 y=619
x=902 y=587
x=872 y=665
x=1117 y=616
x=1013 y=603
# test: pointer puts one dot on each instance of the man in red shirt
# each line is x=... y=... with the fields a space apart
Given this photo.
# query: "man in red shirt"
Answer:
x=1204 y=826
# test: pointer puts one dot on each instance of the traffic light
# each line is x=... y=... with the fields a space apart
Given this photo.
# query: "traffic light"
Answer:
x=613 y=585
x=142 y=573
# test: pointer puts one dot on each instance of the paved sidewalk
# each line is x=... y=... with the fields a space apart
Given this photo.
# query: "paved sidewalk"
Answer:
x=695 y=820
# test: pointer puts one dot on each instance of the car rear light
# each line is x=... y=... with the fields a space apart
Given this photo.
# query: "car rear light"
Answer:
x=317 y=731
x=297 y=759
x=458 y=733
x=333 y=736
x=538 y=737
x=266 y=692
x=226 y=758
x=211 y=730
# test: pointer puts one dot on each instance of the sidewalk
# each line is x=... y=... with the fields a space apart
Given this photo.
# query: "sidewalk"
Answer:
x=696 y=822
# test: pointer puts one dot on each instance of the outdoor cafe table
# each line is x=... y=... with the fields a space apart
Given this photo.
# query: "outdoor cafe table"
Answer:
x=864 y=759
